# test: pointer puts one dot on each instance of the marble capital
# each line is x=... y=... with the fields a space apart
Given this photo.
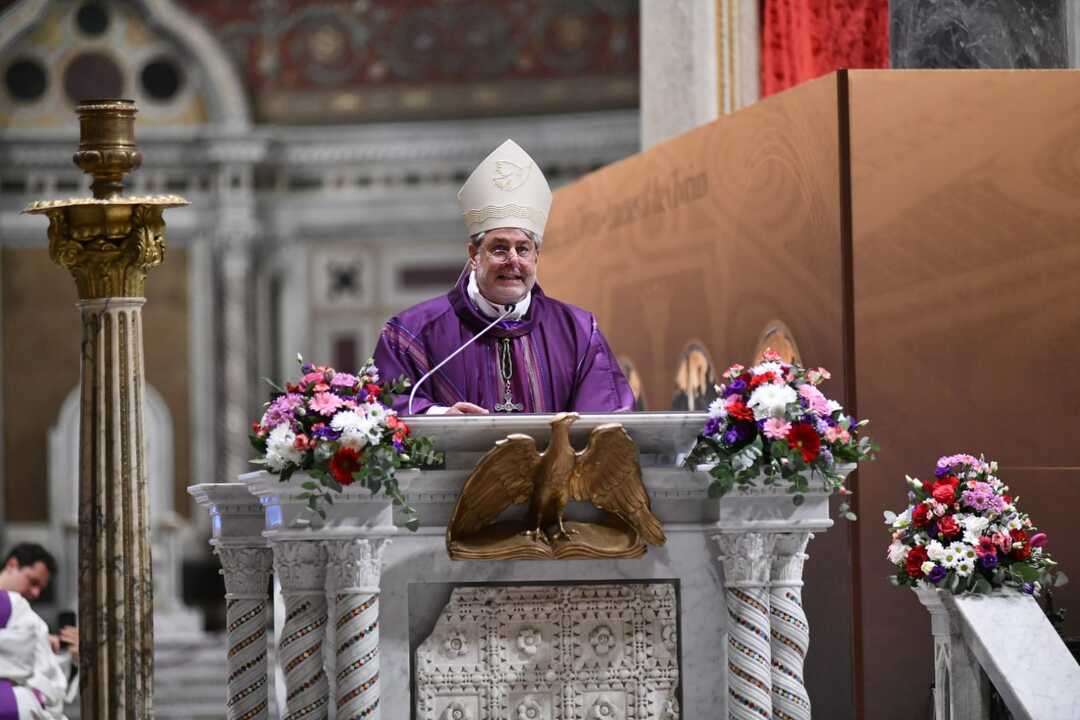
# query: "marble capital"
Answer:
x=746 y=558
x=354 y=565
x=246 y=570
x=300 y=566
x=789 y=556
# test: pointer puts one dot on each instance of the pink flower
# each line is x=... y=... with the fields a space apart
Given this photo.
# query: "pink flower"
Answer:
x=776 y=428
x=770 y=355
x=1038 y=540
x=313 y=377
x=816 y=402
x=343 y=380
x=324 y=403
x=832 y=434
x=986 y=547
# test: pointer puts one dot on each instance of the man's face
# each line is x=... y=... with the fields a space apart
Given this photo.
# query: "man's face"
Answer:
x=29 y=580
x=505 y=265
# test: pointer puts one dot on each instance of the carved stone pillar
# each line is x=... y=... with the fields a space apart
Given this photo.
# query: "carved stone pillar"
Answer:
x=300 y=566
x=247 y=574
x=961 y=689
x=354 y=567
x=108 y=242
x=789 y=628
x=747 y=558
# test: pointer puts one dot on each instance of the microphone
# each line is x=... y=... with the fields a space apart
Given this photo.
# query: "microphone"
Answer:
x=507 y=308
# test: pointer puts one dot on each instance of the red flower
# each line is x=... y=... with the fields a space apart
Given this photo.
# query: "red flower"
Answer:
x=944 y=493
x=1024 y=551
x=804 y=438
x=292 y=387
x=948 y=526
x=920 y=516
x=763 y=378
x=915 y=558
x=928 y=487
x=345 y=462
x=740 y=411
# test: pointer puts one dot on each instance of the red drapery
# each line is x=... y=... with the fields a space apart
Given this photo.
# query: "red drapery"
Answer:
x=804 y=39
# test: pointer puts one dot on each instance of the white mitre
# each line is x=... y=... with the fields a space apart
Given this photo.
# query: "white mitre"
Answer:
x=507 y=189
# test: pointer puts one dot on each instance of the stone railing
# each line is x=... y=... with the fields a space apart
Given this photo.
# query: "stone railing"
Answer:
x=350 y=589
x=1002 y=638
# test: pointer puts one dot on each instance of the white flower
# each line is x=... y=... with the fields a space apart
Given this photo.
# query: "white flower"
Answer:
x=958 y=554
x=927 y=567
x=355 y=428
x=773 y=367
x=375 y=411
x=717 y=409
x=973 y=528
x=902 y=520
x=280 y=449
x=897 y=553
x=935 y=551
x=771 y=400
x=834 y=406
x=1015 y=523
x=965 y=568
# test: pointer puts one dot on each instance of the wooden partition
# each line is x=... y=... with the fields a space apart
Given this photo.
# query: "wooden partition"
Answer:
x=914 y=231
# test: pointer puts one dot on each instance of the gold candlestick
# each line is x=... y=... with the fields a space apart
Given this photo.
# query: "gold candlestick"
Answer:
x=108 y=242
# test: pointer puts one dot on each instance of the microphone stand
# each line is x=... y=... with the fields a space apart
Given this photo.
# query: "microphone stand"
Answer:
x=508 y=308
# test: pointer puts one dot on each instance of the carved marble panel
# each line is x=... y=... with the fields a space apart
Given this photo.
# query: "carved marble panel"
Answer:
x=552 y=652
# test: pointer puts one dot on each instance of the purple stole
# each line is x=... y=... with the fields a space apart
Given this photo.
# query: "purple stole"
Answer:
x=9 y=708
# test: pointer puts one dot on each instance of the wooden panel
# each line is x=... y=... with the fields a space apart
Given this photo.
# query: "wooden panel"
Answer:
x=41 y=365
x=965 y=220
x=711 y=237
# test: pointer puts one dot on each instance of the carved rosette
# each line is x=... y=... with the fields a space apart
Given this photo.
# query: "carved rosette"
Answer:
x=789 y=629
x=300 y=566
x=354 y=569
x=746 y=558
x=247 y=574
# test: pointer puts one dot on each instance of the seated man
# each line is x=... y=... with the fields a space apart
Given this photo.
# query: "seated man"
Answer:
x=32 y=683
x=545 y=356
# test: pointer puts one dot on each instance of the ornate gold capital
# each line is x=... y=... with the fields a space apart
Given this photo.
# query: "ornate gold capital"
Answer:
x=107 y=247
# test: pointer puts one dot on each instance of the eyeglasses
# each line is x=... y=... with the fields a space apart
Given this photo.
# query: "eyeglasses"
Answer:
x=501 y=253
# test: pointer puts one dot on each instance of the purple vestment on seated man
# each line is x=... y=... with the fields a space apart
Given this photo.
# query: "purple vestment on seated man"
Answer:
x=560 y=359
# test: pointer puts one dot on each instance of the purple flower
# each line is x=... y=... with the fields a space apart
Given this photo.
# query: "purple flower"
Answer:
x=940 y=472
x=737 y=387
x=326 y=433
x=937 y=574
x=731 y=436
x=989 y=561
x=399 y=445
x=821 y=426
x=826 y=457
x=711 y=426
x=1029 y=588
x=307 y=368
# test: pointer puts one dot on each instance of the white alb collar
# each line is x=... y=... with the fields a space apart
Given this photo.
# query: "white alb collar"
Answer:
x=492 y=310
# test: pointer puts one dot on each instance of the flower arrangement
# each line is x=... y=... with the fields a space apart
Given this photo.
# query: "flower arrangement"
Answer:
x=771 y=421
x=963 y=532
x=338 y=428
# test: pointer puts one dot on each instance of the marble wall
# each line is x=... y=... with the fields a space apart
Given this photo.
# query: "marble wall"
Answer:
x=978 y=33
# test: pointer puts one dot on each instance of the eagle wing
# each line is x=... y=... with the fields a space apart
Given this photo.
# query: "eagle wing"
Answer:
x=503 y=477
x=608 y=474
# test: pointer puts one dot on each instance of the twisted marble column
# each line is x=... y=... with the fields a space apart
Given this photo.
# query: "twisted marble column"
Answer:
x=247 y=575
x=789 y=628
x=300 y=566
x=746 y=558
x=354 y=568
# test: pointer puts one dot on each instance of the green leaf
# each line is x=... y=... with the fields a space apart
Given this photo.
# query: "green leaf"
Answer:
x=309 y=485
x=1026 y=572
x=1061 y=579
x=982 y=585
x=850 y=516
x=798 y=499
x=413 y=524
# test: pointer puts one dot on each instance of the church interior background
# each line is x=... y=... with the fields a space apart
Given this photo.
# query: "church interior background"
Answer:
x=321 y=145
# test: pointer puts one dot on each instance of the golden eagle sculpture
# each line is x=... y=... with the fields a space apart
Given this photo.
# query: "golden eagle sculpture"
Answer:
x=607 y=474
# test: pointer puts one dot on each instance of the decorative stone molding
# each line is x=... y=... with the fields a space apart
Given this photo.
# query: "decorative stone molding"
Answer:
x=746 y=557
x=542 y=652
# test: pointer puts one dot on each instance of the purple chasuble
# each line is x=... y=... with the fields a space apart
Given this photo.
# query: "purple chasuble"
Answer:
x=560 y=359
x=9 y=708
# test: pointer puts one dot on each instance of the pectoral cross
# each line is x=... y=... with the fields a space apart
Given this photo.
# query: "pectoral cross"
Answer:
x=506 y=371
